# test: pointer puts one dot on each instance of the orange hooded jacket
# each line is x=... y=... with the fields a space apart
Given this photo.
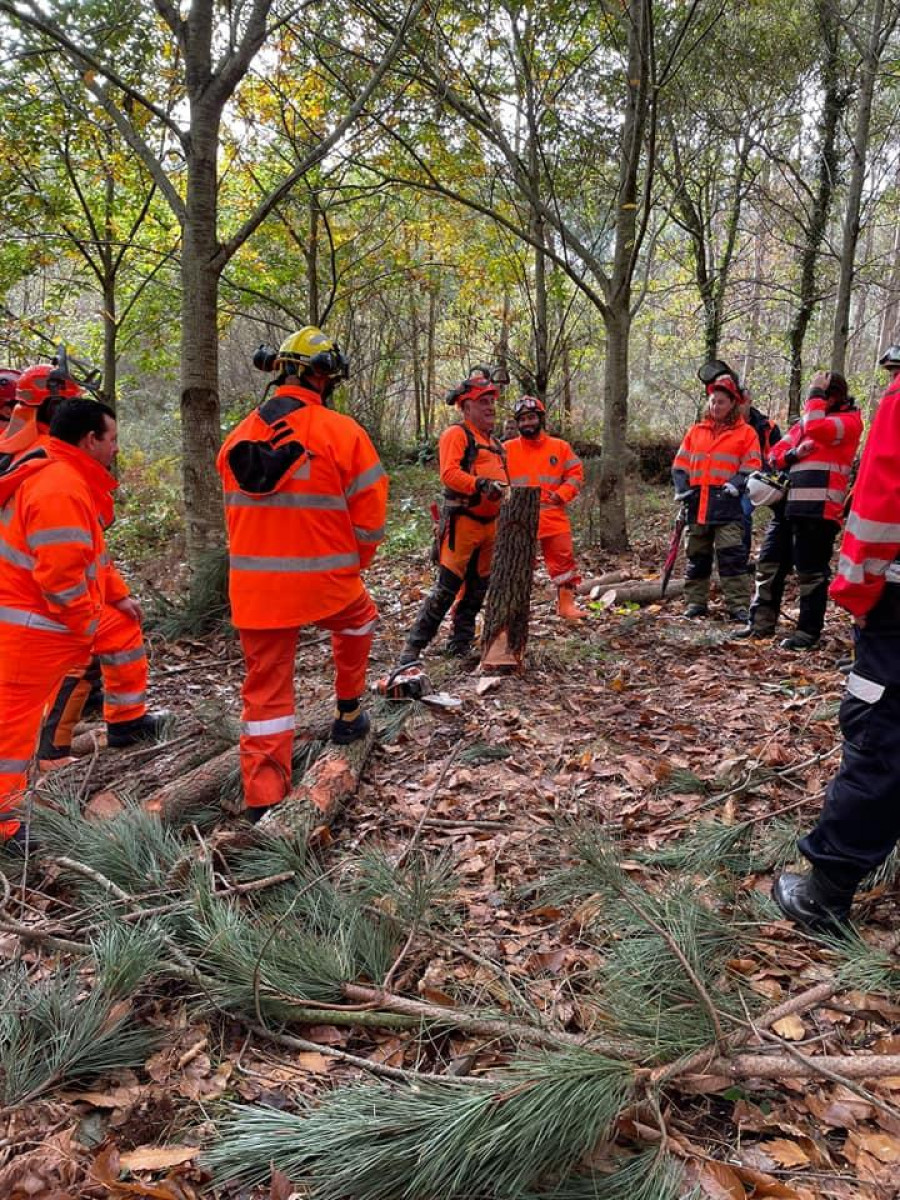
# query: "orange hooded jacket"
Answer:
x=51 y=542
x=305 y=506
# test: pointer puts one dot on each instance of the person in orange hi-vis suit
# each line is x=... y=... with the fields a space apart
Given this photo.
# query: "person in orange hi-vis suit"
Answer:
x=473 y=471
x=53 y=509
x=305 y=507
x=535 y=459
x=8 y=377
x=120 y=641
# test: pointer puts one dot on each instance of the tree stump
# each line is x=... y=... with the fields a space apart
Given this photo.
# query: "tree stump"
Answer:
x=508 y=604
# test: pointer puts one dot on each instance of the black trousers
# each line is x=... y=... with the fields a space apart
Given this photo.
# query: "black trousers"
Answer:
x=804 y=544
x=860 y=819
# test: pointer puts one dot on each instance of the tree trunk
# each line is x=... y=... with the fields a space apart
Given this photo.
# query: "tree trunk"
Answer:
x=611 y=485
x=312 y=260
x=833 y=105
x=508 y=604
x=200 y=417
x=110 y=342
x=869 y=68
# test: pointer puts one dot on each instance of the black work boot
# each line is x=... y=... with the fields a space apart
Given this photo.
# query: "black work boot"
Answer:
x=813 y=901
x=149 y=728
x=434 y=608
x=696 y=610
x=799 y=640
x=350 y=723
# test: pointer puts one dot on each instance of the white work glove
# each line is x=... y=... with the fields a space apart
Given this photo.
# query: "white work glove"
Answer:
x=730 y=490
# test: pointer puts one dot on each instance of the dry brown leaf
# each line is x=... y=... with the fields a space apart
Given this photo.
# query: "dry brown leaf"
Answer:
x=716 y=1180
x=315 y=1064
x=791 y=1028
x=787 y=1152
x=767 y=1188
x=882 y=1145
x=157 y=1158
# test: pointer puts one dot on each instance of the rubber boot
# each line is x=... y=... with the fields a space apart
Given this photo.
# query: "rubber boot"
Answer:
x=148 y=728
x=565 y=604
x=813 y=901
x=350 y=723
x=462 y=635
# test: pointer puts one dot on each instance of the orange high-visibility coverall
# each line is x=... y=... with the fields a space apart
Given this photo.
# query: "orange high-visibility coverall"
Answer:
x=51 y=596
x=119 y=641
x=305 y=506
x=552 y=465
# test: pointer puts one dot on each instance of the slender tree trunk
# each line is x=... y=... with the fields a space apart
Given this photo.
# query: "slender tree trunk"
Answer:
x=200 y=418
x=611 y=486
x=890 y=325
x=110 y=341
x=833 y=105
x=430 y=361
x=567 y=384
x=869 y=68
x=312 y=260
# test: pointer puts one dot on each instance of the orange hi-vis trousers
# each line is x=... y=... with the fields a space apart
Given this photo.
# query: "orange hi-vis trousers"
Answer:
x=119 y=642
x=32 y=665
x=559 y=559
x=267 y=719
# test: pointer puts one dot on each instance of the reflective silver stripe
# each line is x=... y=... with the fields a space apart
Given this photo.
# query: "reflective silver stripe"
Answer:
x=32 y=620
x=718 y=456
x=520 y=481
x=815 y=415
x=564 y=578
x=114 y=698
x=571 y=462
x=864 y=689
x=92 y=627
x=364 y=479
x=6 y=514
x=264 y=728
x=70 y=594
x=91 y=571
x=819 y=464
x=104 y=559
x=16 y=557
x=549 y=479
x=326 y=562
x=368 y=536
x=808 y=493
x=61 y=535
x=577 y=484
x=286 y=500
x=14 y=766
x=872 y=531
x=839 y=429
x=892 y=574
x=123 y=656
x=360 y=630
x=856 y=572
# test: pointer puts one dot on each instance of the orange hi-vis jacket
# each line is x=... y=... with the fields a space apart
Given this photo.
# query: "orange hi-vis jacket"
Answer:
x=305 y=507
x=820 y=481
x=708 y=458
x=459 y=444
x=867 y=583
x=51 y=544
x=552 y=465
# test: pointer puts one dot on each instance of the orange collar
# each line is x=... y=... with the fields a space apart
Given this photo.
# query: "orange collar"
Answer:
x=307 y=395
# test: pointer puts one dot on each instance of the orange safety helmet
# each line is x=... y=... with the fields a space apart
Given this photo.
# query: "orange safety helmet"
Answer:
x=39 y=383
x=478 y=385
x=724 y=383
x=529 y=404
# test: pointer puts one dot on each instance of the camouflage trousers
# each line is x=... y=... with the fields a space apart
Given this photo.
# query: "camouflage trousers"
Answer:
x=726 y=543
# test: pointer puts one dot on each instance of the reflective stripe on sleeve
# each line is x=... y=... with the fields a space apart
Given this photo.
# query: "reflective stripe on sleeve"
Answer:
x=325 y=562
x=892 y=574
x=121 y=657
x=17 y=557
x=571 y=462
x=31 y=620
x=264 y=728
x=70 y=594
x=287 y=500
x=61 y=535
x=855 y=572
x=872 y=531
x=838 y=429
x=364 y=479
x=368 y=536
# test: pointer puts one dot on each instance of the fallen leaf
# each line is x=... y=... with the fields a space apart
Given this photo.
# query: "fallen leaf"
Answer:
x=157 y=1158
x=716 y=1180
x=786 y=1152
x=486 y=683
x=791 y=1028
x=882 y=1145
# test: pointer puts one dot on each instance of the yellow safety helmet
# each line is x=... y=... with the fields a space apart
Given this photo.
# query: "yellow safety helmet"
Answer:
x=310 y=347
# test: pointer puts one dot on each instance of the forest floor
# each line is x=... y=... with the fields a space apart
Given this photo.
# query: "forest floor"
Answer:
x=636 y=724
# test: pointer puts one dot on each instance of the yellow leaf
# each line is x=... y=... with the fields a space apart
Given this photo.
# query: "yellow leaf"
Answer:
x=791 y=1028
x=157 y=1158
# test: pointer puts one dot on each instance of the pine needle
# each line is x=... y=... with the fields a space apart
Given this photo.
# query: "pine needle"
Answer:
x=435 y=1140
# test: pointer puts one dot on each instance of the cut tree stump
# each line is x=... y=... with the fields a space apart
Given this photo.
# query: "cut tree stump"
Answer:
x=508 y=606
x=308 y=810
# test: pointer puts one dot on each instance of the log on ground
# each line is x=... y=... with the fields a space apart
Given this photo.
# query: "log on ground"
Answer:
x=644 y=591
x=308 y=810
x=508 y=606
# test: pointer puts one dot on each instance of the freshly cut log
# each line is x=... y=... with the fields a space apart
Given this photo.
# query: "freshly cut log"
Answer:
x=508 y=606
